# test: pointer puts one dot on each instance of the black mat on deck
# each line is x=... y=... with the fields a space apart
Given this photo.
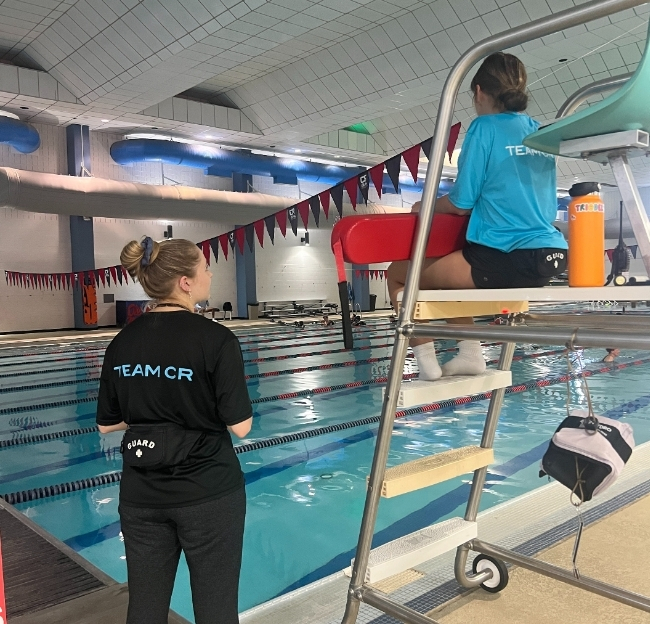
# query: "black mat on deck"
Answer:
x=36 y=573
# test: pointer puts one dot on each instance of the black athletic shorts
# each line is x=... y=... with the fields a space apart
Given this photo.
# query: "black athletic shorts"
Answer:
x=521 y=268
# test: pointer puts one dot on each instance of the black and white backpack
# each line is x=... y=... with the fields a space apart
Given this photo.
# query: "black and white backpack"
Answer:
x=587 y=453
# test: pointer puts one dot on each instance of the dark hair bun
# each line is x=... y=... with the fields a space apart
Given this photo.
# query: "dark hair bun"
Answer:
x=514 y=100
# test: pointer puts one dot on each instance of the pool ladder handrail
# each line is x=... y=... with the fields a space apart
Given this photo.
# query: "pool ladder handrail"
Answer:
x=359 y=591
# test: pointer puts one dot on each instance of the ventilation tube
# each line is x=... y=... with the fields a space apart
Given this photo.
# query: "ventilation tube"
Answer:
x=220 y=162
x=97 y=197
x=20 y=135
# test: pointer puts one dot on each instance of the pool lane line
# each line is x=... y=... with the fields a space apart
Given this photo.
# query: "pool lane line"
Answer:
x=267 y=374
x=331 y=332
x=275 y=358
x=45 y=406
x=37 y=493
x=295 y=371
x=337 y=340
x=48 y=371
x=47 y=361
x=314 y=330
x=310 y=327
x=21 y=429
x=81 y=351
x=31 y=439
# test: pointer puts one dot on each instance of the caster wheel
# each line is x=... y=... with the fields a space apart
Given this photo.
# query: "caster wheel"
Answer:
x=620 y=280
x=499 y=578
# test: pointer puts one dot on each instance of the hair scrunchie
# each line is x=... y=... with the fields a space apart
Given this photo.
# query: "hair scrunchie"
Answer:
x=147 y=245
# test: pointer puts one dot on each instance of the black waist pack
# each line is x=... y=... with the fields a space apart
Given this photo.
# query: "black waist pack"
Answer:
x=157 y=445
x=550 y=261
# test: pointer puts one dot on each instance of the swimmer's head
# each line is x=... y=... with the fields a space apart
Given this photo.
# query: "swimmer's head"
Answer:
x=500 y=85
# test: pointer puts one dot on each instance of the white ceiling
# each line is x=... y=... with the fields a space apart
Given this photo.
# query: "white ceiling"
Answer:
x=292 y=74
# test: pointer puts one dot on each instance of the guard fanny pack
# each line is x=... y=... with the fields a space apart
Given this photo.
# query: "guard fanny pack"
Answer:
x=587 y=453
x=157 y=445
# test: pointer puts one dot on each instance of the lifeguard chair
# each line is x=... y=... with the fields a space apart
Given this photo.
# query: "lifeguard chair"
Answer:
x=623 y=124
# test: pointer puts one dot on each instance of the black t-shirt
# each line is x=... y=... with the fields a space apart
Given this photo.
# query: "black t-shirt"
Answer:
x=182 y=368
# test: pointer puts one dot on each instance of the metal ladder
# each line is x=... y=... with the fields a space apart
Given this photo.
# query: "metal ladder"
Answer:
x=460 y=533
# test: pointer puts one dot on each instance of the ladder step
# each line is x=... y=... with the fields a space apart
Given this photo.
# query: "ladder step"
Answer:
x=433 y=310
x=426 y=392
x=426 y=471
x=412 y=550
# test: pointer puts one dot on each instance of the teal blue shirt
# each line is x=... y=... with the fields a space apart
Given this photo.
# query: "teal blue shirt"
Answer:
x=510 y=188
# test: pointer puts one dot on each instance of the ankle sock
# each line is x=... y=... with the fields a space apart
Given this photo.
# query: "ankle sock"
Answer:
x=469 y=360
x=425 y=356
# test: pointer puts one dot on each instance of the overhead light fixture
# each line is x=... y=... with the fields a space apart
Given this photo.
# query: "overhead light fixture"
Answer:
x=298 y=151
x=105 y=120
x=305 y=240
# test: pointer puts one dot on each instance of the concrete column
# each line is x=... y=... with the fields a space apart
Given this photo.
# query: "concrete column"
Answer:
x=82 y=239
x=361 y=287
x=245 y=263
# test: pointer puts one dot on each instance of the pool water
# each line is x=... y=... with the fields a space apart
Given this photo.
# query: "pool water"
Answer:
x=305 y=498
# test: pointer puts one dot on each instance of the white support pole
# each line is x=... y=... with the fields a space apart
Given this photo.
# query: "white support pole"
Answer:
x=633 y=205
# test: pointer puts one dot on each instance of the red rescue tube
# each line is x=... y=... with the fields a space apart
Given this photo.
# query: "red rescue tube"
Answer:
x=368 y=239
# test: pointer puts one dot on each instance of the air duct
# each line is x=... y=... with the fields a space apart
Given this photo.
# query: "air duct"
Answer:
x=221 y=162
x=20 y=135
x=97 y=197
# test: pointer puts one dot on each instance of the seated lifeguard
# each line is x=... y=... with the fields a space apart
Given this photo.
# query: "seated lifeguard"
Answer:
x=511 y=193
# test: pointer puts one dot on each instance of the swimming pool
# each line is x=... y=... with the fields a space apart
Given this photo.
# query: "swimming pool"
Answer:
x=305 y=497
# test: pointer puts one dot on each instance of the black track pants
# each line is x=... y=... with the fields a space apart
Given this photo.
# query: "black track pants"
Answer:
x=210 y=535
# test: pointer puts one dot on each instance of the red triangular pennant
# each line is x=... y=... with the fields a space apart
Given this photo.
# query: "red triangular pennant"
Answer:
x=325 y=203
x=282 y=221
x=102 y=277
x=259 y=230
x=412 y=158
x=223 y=241
x=113 y=272
x=205 y=248
x=454 y=131
x=351 y=187
x=377 y=177
x=240 y=235
x=303 y=210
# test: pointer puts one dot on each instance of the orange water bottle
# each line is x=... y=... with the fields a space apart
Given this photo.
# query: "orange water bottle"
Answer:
x=586 y=235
